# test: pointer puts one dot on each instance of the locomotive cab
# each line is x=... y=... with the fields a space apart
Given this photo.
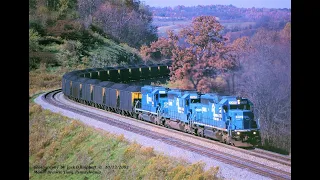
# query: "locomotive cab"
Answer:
x=160 y=98
x=193 y=103
x=154 y=99
x=240 y=120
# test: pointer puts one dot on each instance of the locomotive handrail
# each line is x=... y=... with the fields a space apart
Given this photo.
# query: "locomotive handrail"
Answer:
x=193 y=116
x=159 y=108
x=189 y=117
x=135 y=106
x=229 y=128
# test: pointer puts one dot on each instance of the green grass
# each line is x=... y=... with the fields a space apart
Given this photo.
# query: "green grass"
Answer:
x=55 y=140
x=45 y=79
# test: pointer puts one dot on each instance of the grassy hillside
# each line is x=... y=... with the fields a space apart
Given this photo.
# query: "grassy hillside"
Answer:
x=49 y=60
x=56 y=141
x=86 y=47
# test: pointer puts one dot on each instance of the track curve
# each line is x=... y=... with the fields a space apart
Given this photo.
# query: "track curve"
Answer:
x=211 y=153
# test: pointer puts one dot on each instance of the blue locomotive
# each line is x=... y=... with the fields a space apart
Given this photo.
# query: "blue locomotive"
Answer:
x=228 y=119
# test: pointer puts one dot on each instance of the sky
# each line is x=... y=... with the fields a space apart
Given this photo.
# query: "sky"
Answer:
x=237 y=3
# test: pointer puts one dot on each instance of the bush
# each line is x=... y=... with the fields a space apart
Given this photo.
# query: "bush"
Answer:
x=34 y=38
x=70 y=52
x=40 y=80
x=37 y=26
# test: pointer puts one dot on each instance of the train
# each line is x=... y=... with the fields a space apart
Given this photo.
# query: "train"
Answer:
x=228 y=119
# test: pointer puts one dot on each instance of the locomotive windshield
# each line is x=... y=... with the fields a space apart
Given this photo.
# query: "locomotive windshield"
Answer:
x=206 y=101
x=195 y=100
x=163 y=95
x=240 y=106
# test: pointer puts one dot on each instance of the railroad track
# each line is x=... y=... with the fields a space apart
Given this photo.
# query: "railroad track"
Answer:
x=286 y=159
x=281 y=159
x=255 y=167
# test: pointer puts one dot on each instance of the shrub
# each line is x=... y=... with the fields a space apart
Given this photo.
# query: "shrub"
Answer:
x=132 y=150
x=33 y=40
x=70 y=53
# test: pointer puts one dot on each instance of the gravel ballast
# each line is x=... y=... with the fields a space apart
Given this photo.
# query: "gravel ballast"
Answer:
x=227 y=171
x=179 y=135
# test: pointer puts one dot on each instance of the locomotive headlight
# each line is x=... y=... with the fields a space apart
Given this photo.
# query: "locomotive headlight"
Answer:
x=238 y=133
x=254 y=132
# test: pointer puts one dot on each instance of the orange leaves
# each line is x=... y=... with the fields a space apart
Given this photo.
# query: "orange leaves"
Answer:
x=145 y=52
x=217 y=84
x=285 y=33
x=241 y=44
x=160 y=49
x=198 y=52
x=64 y=26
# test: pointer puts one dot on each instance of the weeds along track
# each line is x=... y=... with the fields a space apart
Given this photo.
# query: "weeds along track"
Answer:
x=236 y=161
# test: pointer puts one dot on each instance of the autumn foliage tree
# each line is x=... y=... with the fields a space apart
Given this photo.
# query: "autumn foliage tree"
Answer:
x=158 y=50
x=127 y=21
x=240 y=50
x=199 y=53
x=265 y=78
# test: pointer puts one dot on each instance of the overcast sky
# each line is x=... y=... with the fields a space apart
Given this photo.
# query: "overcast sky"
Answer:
x=237 y=3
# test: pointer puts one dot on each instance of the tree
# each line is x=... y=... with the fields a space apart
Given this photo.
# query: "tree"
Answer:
x=34 y=46
x=158 y=50
x=88 y=7
x=240 y=49
x=34 y=38
x=265 y=78
x=63 y=6
x=126 y=21
x=285 y=33
x=198 y=52
x=70 y=53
